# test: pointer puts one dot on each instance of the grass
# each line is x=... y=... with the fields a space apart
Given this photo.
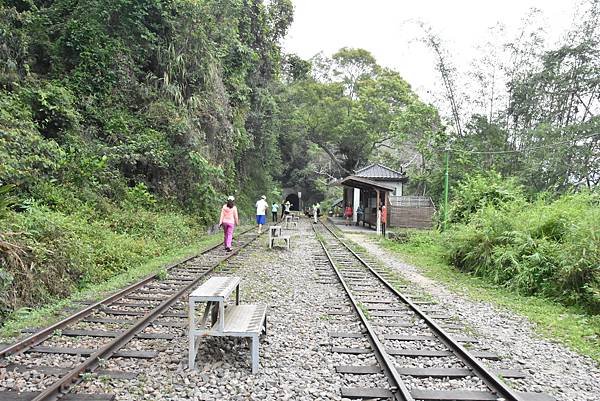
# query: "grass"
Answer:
x=364 y=310
x=54 y=311
x=569 y=325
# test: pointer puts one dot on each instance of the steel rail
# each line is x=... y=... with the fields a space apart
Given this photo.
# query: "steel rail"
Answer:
x=62 y=386
x=399 y=389
x=492 y=381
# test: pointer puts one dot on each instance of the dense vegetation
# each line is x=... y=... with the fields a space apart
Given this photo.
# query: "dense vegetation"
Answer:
x=343 y=112
x=122 y=123
x=539 y=258
x=531 y=117
x=543 y=247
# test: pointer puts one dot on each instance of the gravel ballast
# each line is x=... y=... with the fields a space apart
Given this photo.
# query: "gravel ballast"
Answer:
x=550 y=367
x=296 y=362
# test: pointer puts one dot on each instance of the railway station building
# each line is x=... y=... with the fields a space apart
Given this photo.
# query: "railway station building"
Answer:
x=375 y=184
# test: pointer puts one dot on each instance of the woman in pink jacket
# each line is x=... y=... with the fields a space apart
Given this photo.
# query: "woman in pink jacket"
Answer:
x=229 y=219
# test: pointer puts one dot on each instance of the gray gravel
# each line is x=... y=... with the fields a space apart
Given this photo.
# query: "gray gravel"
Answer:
x=296 y=362
x=550 y=367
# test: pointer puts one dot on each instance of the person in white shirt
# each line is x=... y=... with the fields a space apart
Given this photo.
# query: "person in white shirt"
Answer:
x=286 y=207
x=274 y=209
x=261 y=211
x=317 y=211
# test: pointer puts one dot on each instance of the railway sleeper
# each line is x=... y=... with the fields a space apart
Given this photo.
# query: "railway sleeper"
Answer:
x=102 y=333
x=432 y=353
x=456 y=372
x=27 y=396
x=472 y=395
x=88 y=352
x=57 y=371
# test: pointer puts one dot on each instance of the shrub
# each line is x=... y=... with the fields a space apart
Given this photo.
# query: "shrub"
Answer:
x=479 y=191
x=547 y=248
x=53 y=109
x=45 y=254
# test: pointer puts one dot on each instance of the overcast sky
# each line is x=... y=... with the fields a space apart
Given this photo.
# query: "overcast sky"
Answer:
x=381 y=27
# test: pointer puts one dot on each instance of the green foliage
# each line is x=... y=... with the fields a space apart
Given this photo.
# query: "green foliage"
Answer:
x=479 y=191
x=352 y=109
x=53 y=109
x=6 y=199
x=122 y=124
x=47 y=254
x=548 y=248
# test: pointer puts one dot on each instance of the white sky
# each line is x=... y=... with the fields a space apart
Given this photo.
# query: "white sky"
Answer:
x=381 y=27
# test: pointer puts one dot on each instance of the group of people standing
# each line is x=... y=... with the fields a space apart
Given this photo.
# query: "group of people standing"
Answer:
x=229 y=216
x=285 y=209
x=261 y=211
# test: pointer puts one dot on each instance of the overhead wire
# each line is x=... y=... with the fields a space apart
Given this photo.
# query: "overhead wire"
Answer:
x=496 y=152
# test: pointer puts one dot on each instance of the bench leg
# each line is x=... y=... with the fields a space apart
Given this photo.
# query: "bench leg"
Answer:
x=191 y=338
x=255 y=354
x=192 y=352
x=265 y=325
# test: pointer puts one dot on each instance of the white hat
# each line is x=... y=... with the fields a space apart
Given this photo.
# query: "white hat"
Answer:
x=230 y=198
x=263 y=197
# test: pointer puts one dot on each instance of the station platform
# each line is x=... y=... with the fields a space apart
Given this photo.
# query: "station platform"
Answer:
x=340 y=223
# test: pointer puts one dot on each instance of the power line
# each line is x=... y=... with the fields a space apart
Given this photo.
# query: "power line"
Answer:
x=496 y=152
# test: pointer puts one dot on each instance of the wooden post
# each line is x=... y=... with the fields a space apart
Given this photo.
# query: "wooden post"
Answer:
x=387 y=210
x=378 y=214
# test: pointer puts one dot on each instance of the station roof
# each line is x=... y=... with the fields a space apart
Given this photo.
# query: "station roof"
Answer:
x=364 y=183
x=379 y=172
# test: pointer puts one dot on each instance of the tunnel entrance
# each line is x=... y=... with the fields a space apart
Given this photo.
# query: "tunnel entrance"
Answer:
x=294 y=200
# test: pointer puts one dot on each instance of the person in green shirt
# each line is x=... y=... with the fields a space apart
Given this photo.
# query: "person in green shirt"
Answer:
x=274 y=209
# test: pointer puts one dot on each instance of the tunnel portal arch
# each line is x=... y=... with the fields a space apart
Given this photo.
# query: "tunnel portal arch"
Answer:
x=294 y=200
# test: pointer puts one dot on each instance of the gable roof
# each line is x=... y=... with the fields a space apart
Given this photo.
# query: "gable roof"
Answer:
x=364 y=183
x=380 y=172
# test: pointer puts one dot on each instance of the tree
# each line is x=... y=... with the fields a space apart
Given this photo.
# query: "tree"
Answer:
x=348 y=108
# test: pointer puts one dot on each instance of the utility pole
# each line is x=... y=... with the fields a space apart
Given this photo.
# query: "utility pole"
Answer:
x=445 y=223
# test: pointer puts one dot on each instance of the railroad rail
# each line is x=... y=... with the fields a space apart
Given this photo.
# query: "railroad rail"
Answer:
x=392 y=319
x=136 y=307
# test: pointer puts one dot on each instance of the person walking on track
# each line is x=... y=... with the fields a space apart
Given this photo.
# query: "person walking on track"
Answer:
x=229 y=219
x=274 y=209
x=261 y=211
x=316 y=212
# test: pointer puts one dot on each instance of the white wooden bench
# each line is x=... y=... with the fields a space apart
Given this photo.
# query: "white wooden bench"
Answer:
x=226 y=321
x=291 y=221
x=275 y=234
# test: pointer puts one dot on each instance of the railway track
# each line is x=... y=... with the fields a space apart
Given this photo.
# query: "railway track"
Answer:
x=151 y=309
x=405 y=337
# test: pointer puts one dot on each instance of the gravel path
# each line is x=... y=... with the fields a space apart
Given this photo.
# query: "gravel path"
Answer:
x=551 y=368
x=295 y=358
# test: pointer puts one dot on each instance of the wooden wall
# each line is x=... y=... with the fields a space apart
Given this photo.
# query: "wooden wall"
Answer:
x=411 y=217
